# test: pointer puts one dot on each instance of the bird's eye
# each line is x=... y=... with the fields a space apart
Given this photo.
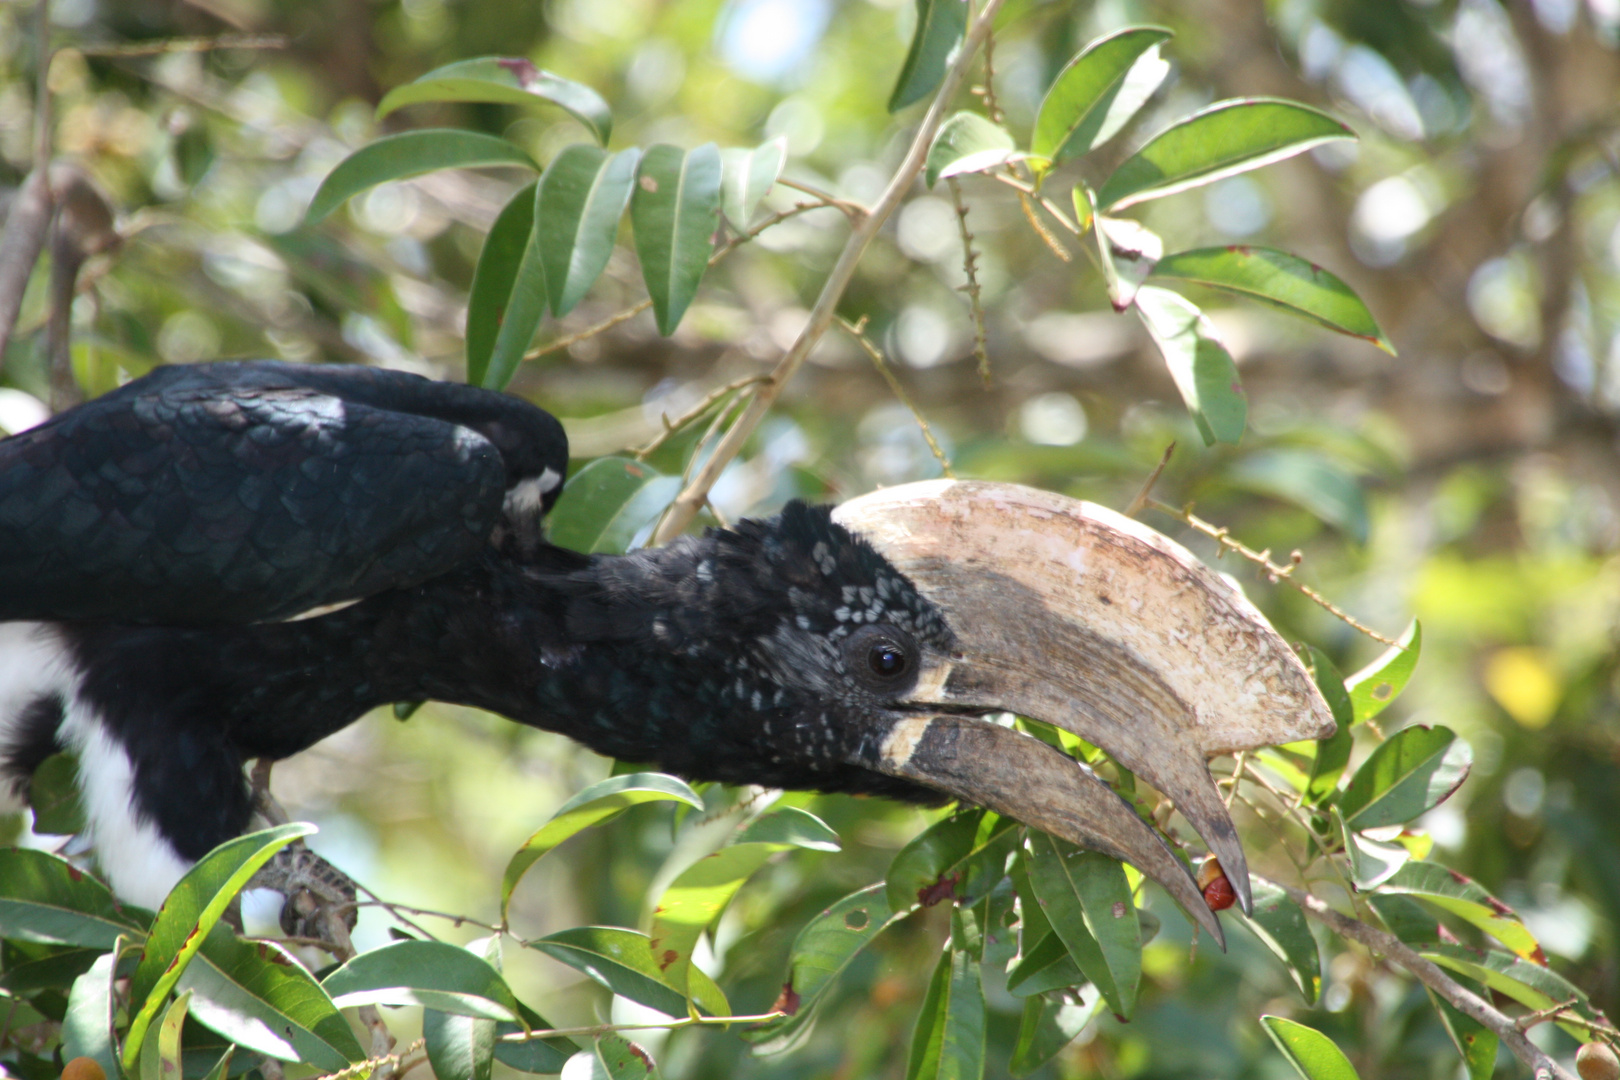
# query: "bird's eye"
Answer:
x=886 y=660
x=883 y=657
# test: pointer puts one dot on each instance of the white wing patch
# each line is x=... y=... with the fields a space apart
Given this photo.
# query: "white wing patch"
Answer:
x=523 y=499
x=34 y=663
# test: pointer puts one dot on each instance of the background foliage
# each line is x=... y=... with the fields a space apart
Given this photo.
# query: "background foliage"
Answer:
x=1470 y=482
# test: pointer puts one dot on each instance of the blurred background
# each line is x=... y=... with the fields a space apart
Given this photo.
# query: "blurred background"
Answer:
x=1470 y=482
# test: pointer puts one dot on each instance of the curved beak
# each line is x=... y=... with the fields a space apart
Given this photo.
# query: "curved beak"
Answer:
x=1071 y=614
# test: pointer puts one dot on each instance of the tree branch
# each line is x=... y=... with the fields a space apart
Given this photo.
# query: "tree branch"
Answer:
x=1429 y=974
x=690 y=500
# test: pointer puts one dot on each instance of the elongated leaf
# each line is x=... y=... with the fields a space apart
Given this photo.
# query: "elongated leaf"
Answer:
x=1309 y=480
x=1450 y=891
x=1088 y=901
x=1128 y=251
x=948 y=1043
x=1098 y=92
x=967 y=143
x=53 y=795
x=610 y=501
x=191 y=910
x=410 y=153
x=1221 y=140
x=675 y=210
x=746 y=177
x=1286 y=281
x=1047 y=1026
x=1474 y=1041
x=432 y=974
x=601 y=802
x=1381 y=682
x=959 y=858
x=1333 y=752
x=458 y=1047
x=508 y=295
x=1308 y=1050
x=506 y=80
x=56 y=971
x=46 y=899
x=532 y=1055
x=1528 y=983
x=622 y=961
x=941 y=28
x=1202 y=368
x=1371 y=862
x=160 y=1054
x=1407 y=919
x=1280 y=925
x=582 y=196
x=824 y=948
x=257 y=995
x=701 y=892
x=1409 y=774
x=92 y=1008
x=1046 y=966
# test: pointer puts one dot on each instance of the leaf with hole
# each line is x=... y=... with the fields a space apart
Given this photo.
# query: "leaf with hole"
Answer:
x=1098 y=92
x=1221 y=140
x=410 y=153
x=611 y=503
x=967 y=143
x=1381 y=682
x=583 y=193
x=1203 y=370
x=1285 y=281
x=596 y=805
x=746 y=177
x=504 y=80
x=1311 y=1053
x=507 y=299
x=674 y=211
x=1410 y=773
x=941 y=28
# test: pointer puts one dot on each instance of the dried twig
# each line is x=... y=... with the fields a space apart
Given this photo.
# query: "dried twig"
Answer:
x=692 y=498
x=1141 y=500
x=858 y=332
x=854 y=211
x=696 y=411
x=970 y=267
x=185 y=45
x=593 y=1030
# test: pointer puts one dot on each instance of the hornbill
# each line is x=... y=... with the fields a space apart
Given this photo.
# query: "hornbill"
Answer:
x=231 y=561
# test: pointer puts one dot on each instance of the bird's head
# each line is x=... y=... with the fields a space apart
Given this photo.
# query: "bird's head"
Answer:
x=876 y=648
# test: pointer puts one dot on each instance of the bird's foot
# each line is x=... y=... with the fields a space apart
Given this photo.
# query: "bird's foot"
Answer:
x=319 y=897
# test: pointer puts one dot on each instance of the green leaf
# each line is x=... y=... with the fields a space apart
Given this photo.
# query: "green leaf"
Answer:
x=967 y=143
x=948 y=1042
x=1474 y=1041
x=1128 y=251
x=601 y=802
x=610 y=501
x=1098 y=92
x=1045 y=966
x=1199 y=363
x=675 y=210
x=582 y=196
x=1286 y=281
x=410 y=153
x=701 y=892
x=941 y=28
x=1308 y=1050
x=46 y=899
x=53 y=795
x=1280 y=925
x=622 y=961
x=54 y=971
x=612 y=1058
x=508 y=295
x=92 y=1009
x=1381 y=682
x=508 y=81
x=458 y=1047
x=746 y=177
x=1371 y=862
x=160 y=1052
x=1088 y=902
x=532 y=1055
x=432 y=974
x=1528 y=983
x=1412 y=772
x=824 y=948
x=1463 y=897
x=258 y=995
x=958 y=858
x=1308 y=480
x=1047 y=1026
x=190 y=911
x=1333 y=752
x=1406 y=919
x=1220 y=140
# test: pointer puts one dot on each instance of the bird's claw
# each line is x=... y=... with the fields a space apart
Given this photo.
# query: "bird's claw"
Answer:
x=313 y=889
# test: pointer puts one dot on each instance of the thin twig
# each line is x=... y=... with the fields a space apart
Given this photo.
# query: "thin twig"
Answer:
x=992 y=108
x=594 y=1030
x=1541 y=1016
x=1027 y=206
x=692 y=498
x=359 y=1068
x=30 y=215
x=186 y=45
x=970 y=267
x=1141 y=500
x=1262 y=559
x=854 y=211
x=1028 y=190
x=696 y=411
x=1431 y=976
x=393 y=909
x=858 y=332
